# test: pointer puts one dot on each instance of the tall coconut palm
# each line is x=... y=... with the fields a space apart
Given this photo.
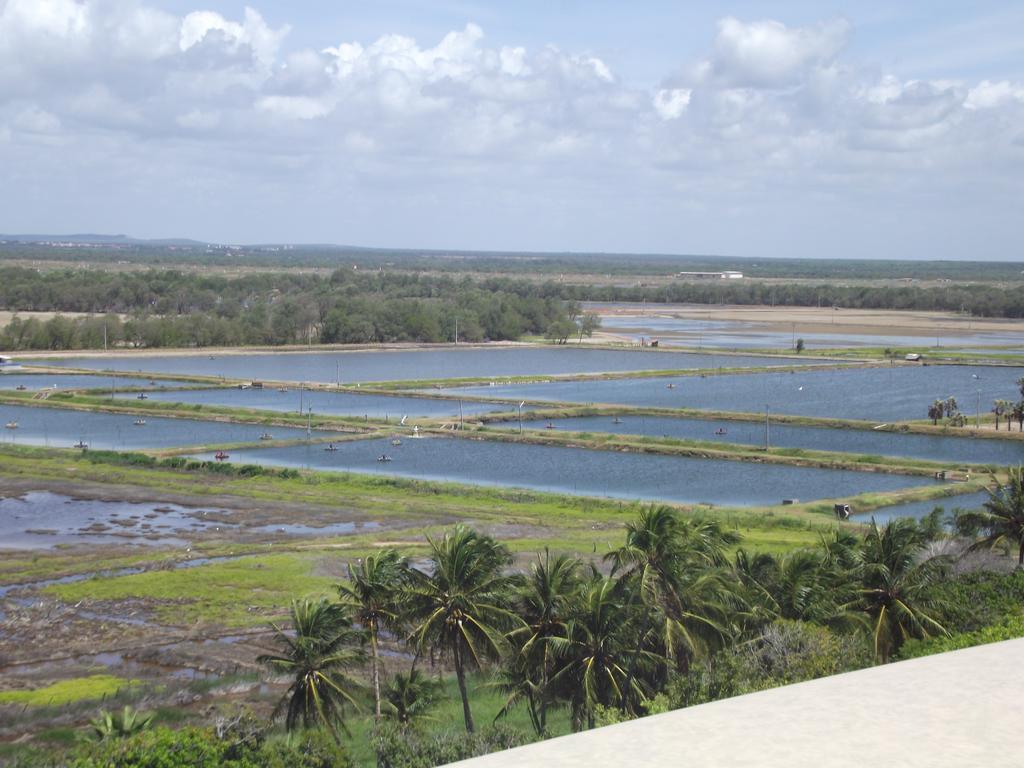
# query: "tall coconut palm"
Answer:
x=674 y=567
x=599 y=662
x=373 y=595
x=316 y=653
x=1002 y=517
x=544 y=603
x=896 y=586
x=461 y=606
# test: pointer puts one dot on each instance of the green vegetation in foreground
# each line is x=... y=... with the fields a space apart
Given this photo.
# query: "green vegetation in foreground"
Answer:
x=235 y=592
x=68 y=691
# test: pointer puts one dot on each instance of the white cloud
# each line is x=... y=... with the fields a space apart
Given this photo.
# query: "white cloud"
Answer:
x=133 y=98
x=987 y=95
x=670 y=103
x=768 y=53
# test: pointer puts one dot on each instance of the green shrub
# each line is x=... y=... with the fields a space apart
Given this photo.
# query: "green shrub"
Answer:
x=1010 y=628
x=410 y=749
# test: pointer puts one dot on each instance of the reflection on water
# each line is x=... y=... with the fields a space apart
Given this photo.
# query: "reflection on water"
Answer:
x=392 y=365
x=579 y=471
x=293 y=399
x=883 y=443
x=919 y=509
x=880 y=394
x=64 y=428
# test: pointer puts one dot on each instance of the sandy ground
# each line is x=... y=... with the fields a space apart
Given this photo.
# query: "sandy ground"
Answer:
x=5 y=316
x=824 y=319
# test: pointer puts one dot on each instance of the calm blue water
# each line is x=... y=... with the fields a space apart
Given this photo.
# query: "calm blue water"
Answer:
x=332 y=403
x=878 y=394
x=728 y=334
x=919 y=509
x=63 y=428
x=627 y=476
x=393 y=365
x=956 y=449
x=35 y=382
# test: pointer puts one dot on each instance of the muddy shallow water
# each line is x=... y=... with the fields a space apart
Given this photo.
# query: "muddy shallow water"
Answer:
x=43 y=520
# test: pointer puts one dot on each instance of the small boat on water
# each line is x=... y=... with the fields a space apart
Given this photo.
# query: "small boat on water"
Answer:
x=331 y=448
x=549 y=425
x=139 y=422
x=670 y=385
x=142 y=396
x=721 y=431
x=221 y=456
x=11 y=425
x=81 y=444
x=616 y=420
x=21 y=387
x=282 y=389
x=396 y=441
x=384 y=457
x=266 y=436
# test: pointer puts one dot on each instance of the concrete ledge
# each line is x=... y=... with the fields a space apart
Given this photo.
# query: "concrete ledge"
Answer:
x=954 y=709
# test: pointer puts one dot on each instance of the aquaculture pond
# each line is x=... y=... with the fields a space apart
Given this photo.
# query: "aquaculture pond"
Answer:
x=38 y=382
x=411 y=364
x=877 y=394
x=65 y=428
x=628 y=476
x=734 y=334
x=919 y=509
x=295 y=400
x=882 y=443
x=41 y=520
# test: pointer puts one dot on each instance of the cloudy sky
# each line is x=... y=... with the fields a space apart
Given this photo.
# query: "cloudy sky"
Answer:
x=788 y=128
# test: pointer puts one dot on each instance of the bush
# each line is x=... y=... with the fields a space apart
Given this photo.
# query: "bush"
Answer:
x=244 y=744
x=1010 y=628
x=981 y=599
x=410 y=749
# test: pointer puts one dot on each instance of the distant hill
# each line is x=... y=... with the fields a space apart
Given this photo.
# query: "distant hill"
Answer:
x=94 y=239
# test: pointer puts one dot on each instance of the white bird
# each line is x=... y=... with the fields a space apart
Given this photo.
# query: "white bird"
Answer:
x=799 y=389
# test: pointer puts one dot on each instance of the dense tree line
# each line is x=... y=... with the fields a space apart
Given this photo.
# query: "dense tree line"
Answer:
x=174 y=309
x=509 y=262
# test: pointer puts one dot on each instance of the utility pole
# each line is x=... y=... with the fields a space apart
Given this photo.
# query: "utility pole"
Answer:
x=767 y=411
x=104 y=337
x=521 y=416
x=456 y=330
x=462 y=424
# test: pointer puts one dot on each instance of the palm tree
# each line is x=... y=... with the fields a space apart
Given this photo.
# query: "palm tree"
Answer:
x=373 y=596
x=543 y=603
x=462 y=606
x=316 y=653
x=936 y=409
x=411 y=695
x=599 y=661
x=675 y=568
x=1002 y=516
x=896 y=584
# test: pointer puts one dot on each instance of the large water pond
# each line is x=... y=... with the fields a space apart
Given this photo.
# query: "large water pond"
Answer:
x=578 y=471
x=64 y=428
x=42 y=520
x=731 y=334
x=879 y=394
x=294 y=400
x=920 y=509
x=36 y=382
x=393 y=365
x=938 y=448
